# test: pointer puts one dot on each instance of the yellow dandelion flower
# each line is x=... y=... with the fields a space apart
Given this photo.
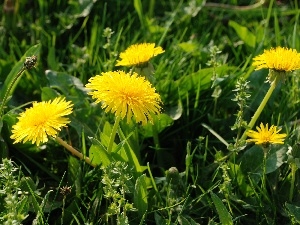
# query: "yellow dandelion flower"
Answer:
x=264 y=136
x=138 y=54
x=42 y=119
x=279 y=59
x=125 y=95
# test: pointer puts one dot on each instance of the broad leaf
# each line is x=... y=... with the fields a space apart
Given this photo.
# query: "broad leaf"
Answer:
x=224 y=215
x=252 y=160
x=201 y=79
x=293 y=211
x=98 y=154
x=128 y=152
x=245 y=35
x=161 y=122
x=276 y=158
x=64 y=82
x=140 y=195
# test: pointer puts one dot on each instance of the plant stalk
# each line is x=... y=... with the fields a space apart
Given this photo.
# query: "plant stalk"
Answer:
x=264 y=170
x=74 y=151
x=9 y=89
x=113 y=134
x=259 y=109
x=293 y=172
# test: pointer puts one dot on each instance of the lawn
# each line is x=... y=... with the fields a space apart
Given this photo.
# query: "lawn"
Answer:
x=149 y=112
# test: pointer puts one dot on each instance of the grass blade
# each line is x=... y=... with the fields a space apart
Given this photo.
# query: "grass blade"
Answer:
x=224 y=215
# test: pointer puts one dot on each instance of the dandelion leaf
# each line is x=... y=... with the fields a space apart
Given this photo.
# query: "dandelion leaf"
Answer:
x=245 y=35
x=224 y=215
x=140 y=195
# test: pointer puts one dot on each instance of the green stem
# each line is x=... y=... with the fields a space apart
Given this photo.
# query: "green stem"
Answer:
x=113 y=134
x=9 y=89
x=155 y=136
x=74 y=151
x=264 y=171
x=294 y=169
x=215 y=107
x=259 y=109
x=153 y=183
x=63 y=211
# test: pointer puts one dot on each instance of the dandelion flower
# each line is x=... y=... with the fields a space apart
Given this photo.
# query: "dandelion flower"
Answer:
x=138 y=54
x=264 y=136
x=125 y=95
x=42 y=119
x=279 y=59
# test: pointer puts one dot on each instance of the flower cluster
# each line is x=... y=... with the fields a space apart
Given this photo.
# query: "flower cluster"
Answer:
x=124 y=94
x=128 y=94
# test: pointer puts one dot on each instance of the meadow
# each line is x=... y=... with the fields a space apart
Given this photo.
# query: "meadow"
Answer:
x=149 y=112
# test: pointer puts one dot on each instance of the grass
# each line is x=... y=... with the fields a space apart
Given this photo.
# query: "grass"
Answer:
x=187 y=168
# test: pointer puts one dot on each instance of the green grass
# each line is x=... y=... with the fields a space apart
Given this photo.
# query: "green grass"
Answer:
x=180 y=170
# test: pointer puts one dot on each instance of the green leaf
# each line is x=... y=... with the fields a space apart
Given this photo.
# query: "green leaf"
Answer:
x=183 y=221
x=293 y=211
x=98 y=154
x=127 y=151
x=241 y=179
x=34 y=50
x=51 y=61
x=75 y=10
x=4 y=153
x=245 y=35
x=186 y=220
x=140 y=195
x=83 y=8
x=252 y=160
x=276 y=158
x=175 y=112
x=190 y=47
x=191 y=82
x=161 y=122
x=75 y=172
x=26 y=183
x=224 y=215
x=153 y=27
x=139 y=9
x=129 y=156
x=64 y=82
x=48 y=93
x=105 y=134
x=159 y=219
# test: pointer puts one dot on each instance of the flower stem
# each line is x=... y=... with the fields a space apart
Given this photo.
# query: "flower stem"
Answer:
x=155 y=136
x=259 y=109
x=74 y=151
x=9 y=89
x=294 y=169
x=113 y=134
x=63 y=210
x=264 y=171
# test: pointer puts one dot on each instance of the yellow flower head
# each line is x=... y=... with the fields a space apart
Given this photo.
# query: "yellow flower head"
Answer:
x=138 y=54
x=279 y=59
x=264 y=136
x=42 y=119
x=125 y=95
